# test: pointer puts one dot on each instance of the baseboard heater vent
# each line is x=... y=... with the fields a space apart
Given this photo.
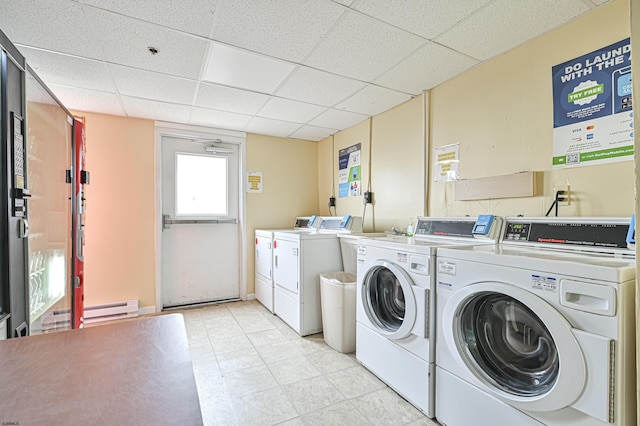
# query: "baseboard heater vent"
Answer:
x=111 y=311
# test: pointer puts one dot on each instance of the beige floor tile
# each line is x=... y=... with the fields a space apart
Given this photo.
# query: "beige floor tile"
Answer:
x=293 y=370
x=264 y=408
x=278 y=351
x=230 y=344
x=341 y=414
x=238 y=360
x=329 y=360
x=220 y=415
x=268 y=337
x=355 y=381
x=312 y=394
x=385 y=408
x=249 y=380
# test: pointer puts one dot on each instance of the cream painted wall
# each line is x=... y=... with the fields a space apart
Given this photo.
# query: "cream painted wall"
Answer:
x=397 y=165
x=120 y=235
x=290 y=173
x=501 y=115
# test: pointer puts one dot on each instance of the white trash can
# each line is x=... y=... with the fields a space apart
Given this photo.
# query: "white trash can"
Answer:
x=338 y=300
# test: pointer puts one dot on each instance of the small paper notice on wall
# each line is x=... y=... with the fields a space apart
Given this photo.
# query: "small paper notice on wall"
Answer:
x=254 y=182
x=446 y=162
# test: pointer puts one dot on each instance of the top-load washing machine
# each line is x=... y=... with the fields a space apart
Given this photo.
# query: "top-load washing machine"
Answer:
x=538 y=330
x=395 y=303
x=264 y=258
x=298 y=259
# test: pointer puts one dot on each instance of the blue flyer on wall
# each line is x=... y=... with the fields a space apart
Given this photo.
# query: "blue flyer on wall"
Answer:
x=349 y=171
x=592 y=108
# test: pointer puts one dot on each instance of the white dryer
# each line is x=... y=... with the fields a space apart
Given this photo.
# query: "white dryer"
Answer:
x=264 y=258
x=540 y=329
x=395 y=322
x=298 y=260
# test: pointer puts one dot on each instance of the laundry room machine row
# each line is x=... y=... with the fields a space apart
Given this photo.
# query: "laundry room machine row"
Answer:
x=264 y=257
x=539 y=330
x=395 y=302
x=298 y=260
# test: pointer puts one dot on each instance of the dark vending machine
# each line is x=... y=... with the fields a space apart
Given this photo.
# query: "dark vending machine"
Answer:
x=14 y=226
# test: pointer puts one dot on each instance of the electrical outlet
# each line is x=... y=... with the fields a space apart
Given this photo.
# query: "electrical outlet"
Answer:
x=332 y=202
x=565 y=198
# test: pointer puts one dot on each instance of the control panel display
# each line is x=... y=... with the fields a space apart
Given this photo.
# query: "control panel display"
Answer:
x=612 y=235
x=447 y=228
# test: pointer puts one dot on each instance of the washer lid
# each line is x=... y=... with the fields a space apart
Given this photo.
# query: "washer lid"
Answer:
x=516 y=345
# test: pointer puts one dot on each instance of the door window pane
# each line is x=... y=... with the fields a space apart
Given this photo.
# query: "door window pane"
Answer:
x=201 y=185
x=385 y=299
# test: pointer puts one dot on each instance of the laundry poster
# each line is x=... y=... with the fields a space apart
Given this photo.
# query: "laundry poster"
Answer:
x=349 y=169
x=592 y=110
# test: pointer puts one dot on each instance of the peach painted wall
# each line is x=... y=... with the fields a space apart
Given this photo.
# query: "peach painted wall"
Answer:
x=120 y=237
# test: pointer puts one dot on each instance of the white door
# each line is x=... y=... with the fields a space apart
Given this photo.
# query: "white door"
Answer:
x=201 y=232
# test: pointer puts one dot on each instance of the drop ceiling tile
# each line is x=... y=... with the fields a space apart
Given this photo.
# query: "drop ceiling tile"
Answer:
x=60 y=26
x=229 y=99
x=287 y=110
x=219 y=119
x=287 y=29
x=373 y=100
x=88 y=100
x=312 y=133
x=194 y=19
x=142 y=108
x=152 y=85
x=65 y=70
x=372 y=48
x=267 y=126
x=426 y=18
x=505 y=24
x=426 y=68
x=231 y=66
x=125 y=41
x=318 y=87
x=336 y=119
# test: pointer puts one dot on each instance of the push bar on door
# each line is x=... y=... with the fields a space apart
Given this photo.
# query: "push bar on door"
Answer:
x=167 y=221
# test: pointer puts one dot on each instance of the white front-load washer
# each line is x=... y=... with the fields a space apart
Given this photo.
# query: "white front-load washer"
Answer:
x=395 y=304
x=264 y=258
x=538 y=330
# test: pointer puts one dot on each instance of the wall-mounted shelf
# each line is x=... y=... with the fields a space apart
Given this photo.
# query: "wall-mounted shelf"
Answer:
x=524 y=184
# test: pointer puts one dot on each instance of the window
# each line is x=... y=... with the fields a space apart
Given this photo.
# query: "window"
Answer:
x=201 y=185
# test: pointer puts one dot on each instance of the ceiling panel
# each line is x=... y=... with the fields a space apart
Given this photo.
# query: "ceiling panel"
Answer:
x=318 y=87
x=313 y=133
x=373 y=100
x=60 y=26
x=65 y=70
x=88 y=100
x=286 y=29
x=219 y=119
x=153 y=110
x=152 y=85
x=505 y=24
x=195 y=17
x=363 y=48
x=426 y=18
x=229 y=99
x=333 y=118
x=267 y=126
x=285 y=109
x=426 y=68
x=126 y=40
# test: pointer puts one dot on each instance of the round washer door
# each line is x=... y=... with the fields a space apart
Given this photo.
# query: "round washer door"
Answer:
x=516 y=346
x=388 y=299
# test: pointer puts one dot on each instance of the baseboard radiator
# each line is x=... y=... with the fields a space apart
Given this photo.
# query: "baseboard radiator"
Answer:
x=110 y=311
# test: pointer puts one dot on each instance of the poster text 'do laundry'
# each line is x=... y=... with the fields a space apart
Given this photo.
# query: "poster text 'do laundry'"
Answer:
x=592 y=108
x=349 y=179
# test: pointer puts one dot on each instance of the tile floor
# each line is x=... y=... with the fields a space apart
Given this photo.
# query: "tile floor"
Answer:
x=252 y=369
